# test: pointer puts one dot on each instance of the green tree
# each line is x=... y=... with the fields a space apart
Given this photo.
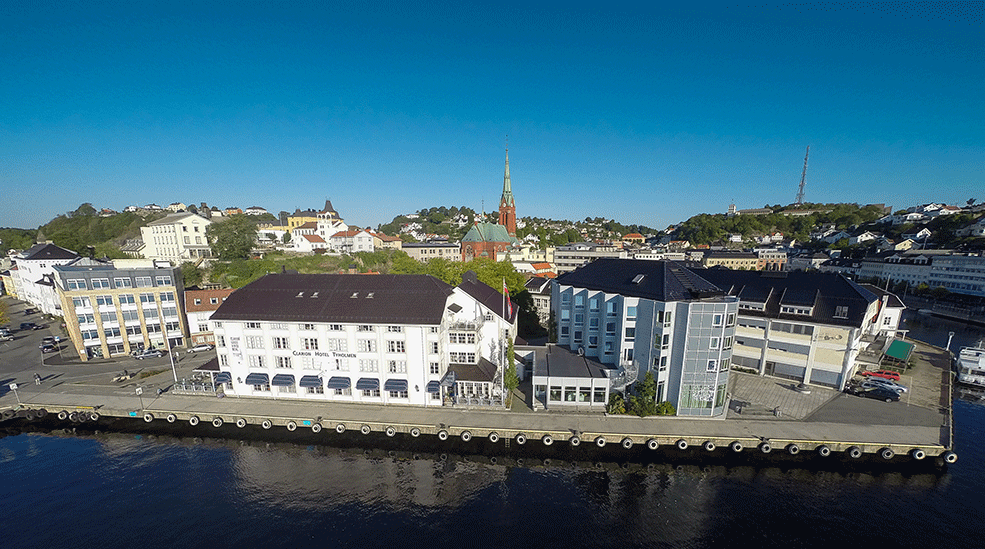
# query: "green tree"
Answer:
x=191 y=274
x=617 y=404
x=666 y=409
x=643 y=403
x=85 y=210
x=233 y=237
x=286 y=238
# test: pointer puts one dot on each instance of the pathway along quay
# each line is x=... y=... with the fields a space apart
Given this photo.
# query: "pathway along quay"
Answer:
x=825 y=422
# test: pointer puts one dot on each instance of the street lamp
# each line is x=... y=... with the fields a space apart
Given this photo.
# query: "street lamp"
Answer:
x=167 y=345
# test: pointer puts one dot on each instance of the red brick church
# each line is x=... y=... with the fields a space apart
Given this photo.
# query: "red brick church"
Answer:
x=492 y=240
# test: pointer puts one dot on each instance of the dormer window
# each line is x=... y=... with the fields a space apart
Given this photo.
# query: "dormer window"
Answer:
x=314 y=295
x=300 y=294
x=354 y=295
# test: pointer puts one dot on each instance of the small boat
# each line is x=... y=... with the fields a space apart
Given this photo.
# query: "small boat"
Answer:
x=970 y=363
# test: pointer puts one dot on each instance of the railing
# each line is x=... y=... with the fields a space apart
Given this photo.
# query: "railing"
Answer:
x=467 y=325
x=194 y=387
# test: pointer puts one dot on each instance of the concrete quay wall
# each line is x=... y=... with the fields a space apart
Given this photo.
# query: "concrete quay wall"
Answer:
x=510 y=428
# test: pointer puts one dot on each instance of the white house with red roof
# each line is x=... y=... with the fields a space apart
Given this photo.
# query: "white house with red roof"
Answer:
x=355 y=240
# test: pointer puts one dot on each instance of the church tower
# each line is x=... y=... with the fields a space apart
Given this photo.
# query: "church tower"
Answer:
x=507 y=208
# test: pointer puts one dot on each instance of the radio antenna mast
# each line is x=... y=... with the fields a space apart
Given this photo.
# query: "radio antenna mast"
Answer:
x=803 y=178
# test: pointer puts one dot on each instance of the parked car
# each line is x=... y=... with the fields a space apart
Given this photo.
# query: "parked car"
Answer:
x=48 y=348
x=885 y=374
x=48 y=340
x=874 y=382
x=149 y=353
x=201 y=347
x=6 y=336
x=29 y=311
x=30 y=326
x=879 y=393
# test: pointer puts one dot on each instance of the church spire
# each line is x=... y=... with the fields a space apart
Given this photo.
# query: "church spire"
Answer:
x=507 y=207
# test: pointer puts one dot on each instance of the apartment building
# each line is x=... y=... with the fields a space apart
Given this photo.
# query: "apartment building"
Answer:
x=177 y=238
x=571 y=256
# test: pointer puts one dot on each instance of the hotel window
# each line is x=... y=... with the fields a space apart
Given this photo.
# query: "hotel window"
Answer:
x=262 y=388
x=723 y=365
x=462 y=358
x=610 y=328
x=104 y=300
x=98 y=283
x=129 y=316
x=153 y=328
x=151 y=313
x=278 y=326
x=712 y=365
x=283 y=361
x=841 y=312
x=310 y=344
x=123 y=282
x=256 y=361
x=213 y=300
x=713 y=343
x=579 y=319
x=77 y=284
x=565 y=330
x=167 y=296
x=169 y=311
x=727 y=343
x=337 y=344
x=398 y=366
x=434 y=329
x=163 y=280
x=366 y=345
x=307 y=326
x=435 y=348
x=731 y=320
x=364 y=328
x=593 y=341
x=666 y=342
x=395 y=347
x=610 y=308
x=565 y=315
x=335 y=327
x=434 y=368
x=86 y=319
x=579 y=301
x=342 y=364
x=281 y=343
x=126 y=299
x=398 y=394
x=555 y=394
x=628 y=355
x=565 y=300
x=319 y=390
x=253 y=325
x=254 y=342
x=608 y=347
x=631 y=312
x=143 y=281
x=716 y=320
x=593 y=323
x=203 y=327
x=371 y=393
x=395 y=329
x=220 y=341
x=223 y=361
x=111 y=332
x=369 y=366
x=577 y=336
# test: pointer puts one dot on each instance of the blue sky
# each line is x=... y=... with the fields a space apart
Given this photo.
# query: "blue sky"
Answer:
x=645 y=115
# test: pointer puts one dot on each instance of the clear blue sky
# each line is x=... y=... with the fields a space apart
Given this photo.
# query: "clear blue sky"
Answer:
x=641 y=114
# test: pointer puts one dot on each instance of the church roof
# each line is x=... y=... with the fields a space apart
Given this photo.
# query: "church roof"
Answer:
x=488 y=232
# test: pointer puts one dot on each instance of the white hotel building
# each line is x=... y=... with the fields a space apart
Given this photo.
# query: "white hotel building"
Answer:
x=391 y=339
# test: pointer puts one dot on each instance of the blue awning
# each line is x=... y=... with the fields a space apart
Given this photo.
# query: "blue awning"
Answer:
x=309 y=381
x=434 y=386
x=223 y=377
x=449 y=379
x=282 y=380
x=367 y=384
x=395 y=385
x=257 y=379
x=339 y=383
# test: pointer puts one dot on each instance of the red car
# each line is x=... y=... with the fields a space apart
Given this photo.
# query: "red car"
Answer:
x=885 y=374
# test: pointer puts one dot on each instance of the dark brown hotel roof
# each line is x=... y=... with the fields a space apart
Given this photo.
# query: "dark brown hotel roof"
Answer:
x=381 y=299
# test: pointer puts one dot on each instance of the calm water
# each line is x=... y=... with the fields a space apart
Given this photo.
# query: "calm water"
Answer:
x=128 y=490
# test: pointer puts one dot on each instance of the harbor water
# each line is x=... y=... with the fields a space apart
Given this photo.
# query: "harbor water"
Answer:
x=110 y=490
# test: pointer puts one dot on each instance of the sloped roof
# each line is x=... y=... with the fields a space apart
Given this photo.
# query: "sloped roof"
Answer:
x=659 y=280
x=205 y=297
x=488 y=296
x=313 y=238
x=175 y=217
x=488 y=232
x=47 y=251
x=396 y=299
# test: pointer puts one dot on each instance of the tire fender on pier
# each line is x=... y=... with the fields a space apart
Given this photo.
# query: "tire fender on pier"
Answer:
x=93 y=416
x=575 y=440
x=652 y=444
x=824 y=450
x=854 y=452
x=193 y=421
x=73 y=417
x=682 y=444
x=627 y=443
x=63 y=415
x=600 y=441
x=521 y=438
x=217 y=422
x=793 y=449
x=547 y=440
x=466 y=436
x=390 y=431
x=950 y=457
x=887 y=453
x=241 y=423
x=442 y=435
x=316 y=427
x=340 y=428
x=918 y=454
x=736 y=446
x=365 y=429
x=266 y=424
x=709 y=446
x=494 y=437
x=42 y=412
x=148 y=417
x=292 y=425
x=415 y=432
x=172 y=418
x=765 y=448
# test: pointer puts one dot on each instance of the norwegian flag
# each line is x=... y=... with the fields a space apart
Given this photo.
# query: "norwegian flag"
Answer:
x=507 y=303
